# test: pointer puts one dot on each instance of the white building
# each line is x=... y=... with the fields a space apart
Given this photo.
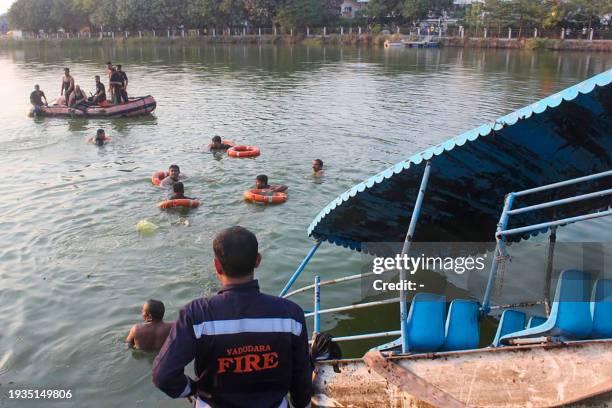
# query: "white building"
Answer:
x=349 y=8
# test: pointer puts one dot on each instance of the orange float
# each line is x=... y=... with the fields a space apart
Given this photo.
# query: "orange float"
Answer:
x=243 y=151
x=266 y=196
x=178 y=202
x=92 y=139
x=158 y=176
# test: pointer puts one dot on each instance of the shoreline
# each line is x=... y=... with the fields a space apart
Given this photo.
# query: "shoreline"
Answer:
x=331 y=39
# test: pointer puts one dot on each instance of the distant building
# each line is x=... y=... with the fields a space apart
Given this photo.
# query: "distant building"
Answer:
x=16 y=34
x=349 y=8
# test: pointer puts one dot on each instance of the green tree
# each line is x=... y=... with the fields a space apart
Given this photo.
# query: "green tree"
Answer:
x=384 y=10
x=417 y=10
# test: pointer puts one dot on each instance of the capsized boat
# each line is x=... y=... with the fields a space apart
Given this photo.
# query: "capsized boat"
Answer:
x=548 y=165
x=143 y=105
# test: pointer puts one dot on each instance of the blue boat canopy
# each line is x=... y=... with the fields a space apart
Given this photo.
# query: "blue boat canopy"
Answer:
x=566 y=135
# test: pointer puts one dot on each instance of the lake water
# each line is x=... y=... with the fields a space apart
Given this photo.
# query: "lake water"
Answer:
x=73 y=269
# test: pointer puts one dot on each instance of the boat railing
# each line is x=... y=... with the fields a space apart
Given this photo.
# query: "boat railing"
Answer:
x=317 y=312
x=503 y=231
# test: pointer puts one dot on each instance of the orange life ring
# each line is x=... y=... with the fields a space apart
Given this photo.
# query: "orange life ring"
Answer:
x=243 y=151
x=178 y=202
x=265 y=196
x=92 y=139
x=158 y=176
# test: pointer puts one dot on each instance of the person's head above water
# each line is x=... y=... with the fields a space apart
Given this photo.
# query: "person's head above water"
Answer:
x=36 y=87
x=153 y=311
x=178 y=188
x=317 y=165
x=118 y=67
x=67 y=71
x=174 y=171
x=216 y=142
x=236 y=255
x=261 y=181
x=100 y=136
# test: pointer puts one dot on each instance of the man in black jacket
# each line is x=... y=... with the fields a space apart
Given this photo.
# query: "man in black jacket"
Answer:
x=250 y=349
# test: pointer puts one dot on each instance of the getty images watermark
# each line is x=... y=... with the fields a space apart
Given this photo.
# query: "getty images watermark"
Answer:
x=422 y=267
x=412 y=264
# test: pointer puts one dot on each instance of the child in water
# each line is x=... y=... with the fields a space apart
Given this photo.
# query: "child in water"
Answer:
x=217 y=144
x=151 y=334
x=100 y=138
x=179 y=192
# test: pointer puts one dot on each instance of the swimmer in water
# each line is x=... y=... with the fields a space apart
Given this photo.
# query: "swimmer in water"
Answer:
x=217 y=144
x=179 y=192
x=100 y=139
x=174 y=175
x=151 y=334
x=317 y=167
x=261 y=183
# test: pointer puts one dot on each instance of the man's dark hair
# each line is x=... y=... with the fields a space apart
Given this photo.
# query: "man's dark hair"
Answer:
x=36 y=86
x=118 y=66
x=319 y=162
x=156 y=309
x=174 y=166
x=236 y=249
x=97 y=77
x=109 y=63
x=216 y=139
x=178 y=188
x=100 y=131
x=263 y=178
x=66 y=69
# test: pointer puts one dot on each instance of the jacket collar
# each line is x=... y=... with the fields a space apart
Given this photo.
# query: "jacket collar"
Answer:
x=252 y=286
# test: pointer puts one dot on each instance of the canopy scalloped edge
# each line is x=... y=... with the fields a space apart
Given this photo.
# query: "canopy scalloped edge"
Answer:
x=485 y=130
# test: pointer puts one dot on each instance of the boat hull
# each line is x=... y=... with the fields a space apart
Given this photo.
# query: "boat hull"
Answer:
x=134 y=107
x=576 y=374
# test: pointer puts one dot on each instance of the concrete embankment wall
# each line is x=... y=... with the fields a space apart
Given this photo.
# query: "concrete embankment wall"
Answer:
x=334 y=39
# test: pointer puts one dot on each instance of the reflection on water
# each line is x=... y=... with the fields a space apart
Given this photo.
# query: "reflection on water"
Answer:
x=74 y=268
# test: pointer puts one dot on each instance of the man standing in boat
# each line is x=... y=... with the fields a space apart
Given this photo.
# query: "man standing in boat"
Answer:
x=67 y=85
x=36 y=98
x=250 y=349
x=116 y=86
x=124 y=94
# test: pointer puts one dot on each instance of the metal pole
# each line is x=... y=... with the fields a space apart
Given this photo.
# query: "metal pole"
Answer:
x=552 y=238
x=499 y=250
x=317 y=306
x=406 y=247
x=299 y=270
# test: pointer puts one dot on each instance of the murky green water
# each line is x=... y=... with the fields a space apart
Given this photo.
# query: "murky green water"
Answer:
x=73 y=269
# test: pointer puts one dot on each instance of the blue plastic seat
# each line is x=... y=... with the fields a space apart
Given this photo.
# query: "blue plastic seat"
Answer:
x=570 y=315
x=425 y=324
x=462 y=325
x=601 y=309
x=535 y=321
x=509 y=322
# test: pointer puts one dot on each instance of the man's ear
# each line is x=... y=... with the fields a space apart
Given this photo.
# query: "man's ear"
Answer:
x=218 y=267
x=257 y=260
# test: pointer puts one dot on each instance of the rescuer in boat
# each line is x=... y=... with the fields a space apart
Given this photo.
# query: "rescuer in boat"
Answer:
x=317 y=167
x=67 y=86
x=250 y=349
x=109 y=71
x=261 y=183
x=217 y=144
x=36 y=98
x=77 y=97
x=100 y=95
x=125 y=82
x=116 y=85
x=178 y=190
x=151 y=334
x=174 y=175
